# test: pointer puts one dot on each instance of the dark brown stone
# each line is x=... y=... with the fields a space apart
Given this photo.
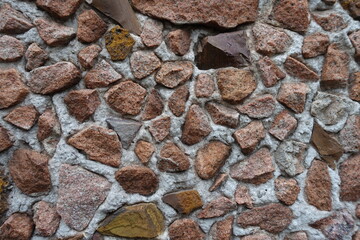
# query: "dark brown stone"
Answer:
x=23 y=117
x=242 y=196
x=19 y=226
x=102 y=75
x=144 y=150
x=178 y=99
x=293 y=95
x=143 y=64
x=315 y=45
x=350 y=179
x=12 y=89
x=217 y=208
x=173 y=159
x=222 y=115
x=184 y=202
x=286 y=190
x=154 y=106
x=259 y=107
x=172 y=74
x=82 y=103
x=204 y=86
x=87 y=56
x=59 y=8
x=270 y=73
x=283 y=125
x=13 y=21
x=53 y=33
x=160 y=128
x=179 y=41
x=250 y=136
x=331 y=22
x=11 y=49
x=297 y=69
x=222 y=230
x=185 y=229
x=5 y=139
x=35 y=57
x=46 y=219
x=90 y=27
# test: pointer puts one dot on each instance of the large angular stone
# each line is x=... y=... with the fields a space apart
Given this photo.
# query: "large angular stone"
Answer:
x=125 y=128
x=286 y=190
x=179 y=41
x=350 y=135
x=53 y=33
x=151 y=34
x=118 y=43
x=80 y=192
x=23 y=117
x=222 y=115
x=270 y=72
x=185 y=229
x=355 y=40
x=290 y=156
x=11 y=49
x=90 y=26
x=330 y=22
x=143 y=220
x=19 y=226
x=223 y=50
x=5 y=139
x=250 y=136
x=283 y=125
x=222 y=230
x=82 y=103
x=35 y=57
x=217 y=208
x=143 y=64
x=60 y=8
x=13 y=21
x=172 y=74
x=298 y=69
x=49 y=130
x=102 y=75
x=314 y=45
x=160 y=128
x=144 y=150
x=12 y=89
x=350 y=176
x=87 y=56
x=154 y=106
x=259 y=107
x=46 y=219
x=177 y=100
x=173 y=159
x=100 y=144
x=293 y=95
x=184 y=202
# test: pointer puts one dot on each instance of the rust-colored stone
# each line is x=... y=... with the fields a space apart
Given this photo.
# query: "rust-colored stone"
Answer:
x=46 y=219
x=160 y=128
x=11 y=49
x=270 y=72
x=331 y=22
x=179 y=41
x=151 y=34
x=204 y=86
x=222 y=230
x=219 y=180
x=23 y=117
x=178 y=99
x=102 y=75
x=315 y=45
x=350 y=135
x=286 y=190
x=19 y=226
x=53 y=33
x=13 y=21
x=12 y=89
x=250 y=136
x=59 y=8
x=5 y=139
x=355 y=40
x=350 y=174
x=154 y=106
x=242 y=196
x=184 y=202
x=143 y=64
x=293 y=95
x=283 y=125
x=258 y=107
x=298 y=69
x=35 y=57
x=87 y=56
x=185 y=229
x=222 y=115
x=354 y=90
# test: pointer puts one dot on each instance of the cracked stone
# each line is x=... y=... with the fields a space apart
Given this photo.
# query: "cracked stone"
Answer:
x=118 y=43
x=125 y=128
x=173 y=159
x=49 y=130
x=259 y=107
x=298 y=69
x=35 y=57
x=204 y=86
x=179 y=41
x=177 y=100
x=270 y=72
x=11 y=49
x=13 y=21
x=173 y=74
x=154 y=106
x=90 y=27
x=250 y=136
x=144 y=150
x=222 y=115
x=53 y=33
x=315 y=45
x=88 y=55
x=217 y=208
x=293 y=96
x=183 y=202
x=160 y=128
x=283 y=125
x=23 y=117
x=102 y=75
x=289 y=157
x=143 y=64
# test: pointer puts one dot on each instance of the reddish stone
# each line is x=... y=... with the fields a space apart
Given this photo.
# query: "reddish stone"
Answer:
x=172 y=74
x=286 y=190
x=80 y=194
x=137 y=179
x=87 y=56
x=100 y=144
x=196 y=126
x=59 y=8
x=249 y=137
x=35 y=57
x=151 y=34
x=298 y=69
x=217 y=208
x=289 y=157
x=12 y=89
x=222 y=115
x=353 y=8
x=258 y=236
x=160 y=128
x=331 y=22
x=11 y=49
x=49 y=130
x=19 y=226
x=259 y=107
x=53 y=33
x=242 y=196
x=219 y=180
x=178 y=99
x=13 y=21
x=269 y=40
x=29 y=171
x=356 y=236
x=173 y=159
x=185 y=229
x=82 y=103
x=273 y=217
x=144 y=150
x=335 y=72
x=54 y=78
x=350 y=179
x=46 y=219
x=350 y=135
x=102 y=75
x=256 y=169
x=222 y=230
x=5 y=139
x=296 y=236
x=355 y=40
x=179 y=41
x=144 y=63
x=204 y=86
x=23 y=117
x=126 y=97
x=90 y=27
x=315 y=45
x=283 y=125
x=126 y=129
x=235 y=84
x=154 y=106
x=184 y=202
x=270 y=73
x=354 y=90
x=293 y=95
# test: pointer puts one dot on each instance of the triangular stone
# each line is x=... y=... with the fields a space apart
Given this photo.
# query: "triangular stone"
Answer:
x=125 y=128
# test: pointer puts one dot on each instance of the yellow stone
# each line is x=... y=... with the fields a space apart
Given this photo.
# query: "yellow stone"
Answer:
x=142 y=220
x=118 y=43
x=184 y=201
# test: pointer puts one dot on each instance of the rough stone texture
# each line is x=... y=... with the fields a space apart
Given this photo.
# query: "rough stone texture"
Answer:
x=46 y=219
x=100 y=144
x=249 y=137
x=87 y=56
x=256 y=169
x=286 y=190
x=185 y=229
x=331 y=22
x=355 y=40
x=272 y=217
x=172 y=74
x=179 y=41
x=356 y=236
x=296 y=236
x=81 y=192
x=35 y=57
x=283 y=125
x=227 y=14
x=217 y=208
x=19 y=226
x=144 y=150
x=354 y=90
x=204 y=86
x=173 y=159
x=82 y=103
x=125 y=128
x=144 y=63
x=23 y=117
x=184 y=202
x=53 y=33
x=59 y=8
x=102 y=75
x=126 y=97
x=350 y=174
x=29 y=171
x=222 y=115
x=258 y=236
x=160 y=128
x=210 y=158
x=13 y=21
x=242 y=196
x=357 y=211
x=298 y=69
x=270 y=72
x=353 y=8
x=196 y=126
x=49 y=130
x=11 y=49
x=350 y=135
x=315 y=45
x=259 y=107
x=118 y=43
x=137 y=179
x=219 y=180
x=293 y=95
x=178 y=99
x=269 y=40
x=90 y=27
x=154 y=106
x=222 y=230
x=12 y=88
x=235 y=84
x=5 y=139
x=151 y=34
x=54 y=78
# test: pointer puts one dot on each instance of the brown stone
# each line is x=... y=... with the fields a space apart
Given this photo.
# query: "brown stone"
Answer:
x=196 y=126
x=293 y=96
x=272 y=217
x=29 y=171
x=217 y=208
x=102 y=75
x=100 y=144
x=293 y=14
x=286 y=190
x=235 y=84
x=46 y=219
x=19 y=226
x=49 y=130
x=270 y=72
x=222 y=230
x=144 y=150
x=350 y=135
x=315 y=45
x=35 y=57
x=356 y=236
x=179 y=41
x=219 y=180
x=12 y=89
x=82 y=103
x=87 y=56
x=97 y=236
x=222 y=115
x=90 y=27
x=13 y=21
x=227 y=14
x=151 y=34
x=59 y=8
x=242 y=196
x=137 y=179
x=298 y=69
x=357 y=211
x=184 y=202
x=5 y=139
x=256 y=169
x=11 y=49
x=350 y=179
x=178 y=99
x=126 y=97
x=75 y=237
x=259 y=107
x=296 y=236
x=258 y=236
x=204 y=86
x=53 y=33
x=125 y=128
x=353 y=7
x=154 y=106
x=210 y=158
x=290 y=156
x=355 y=40
x=335 y=72
x=5 y=191
x=173 y=159
x=185 y=229
x=144 y=63
x=331 y=22
x=172 y=74
x=283 y=125
x=250 y=136
x=23 y=117
x=269 y=40
x=118 y=43
x=354 y=90
x=54 y=78
x=160 y=128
